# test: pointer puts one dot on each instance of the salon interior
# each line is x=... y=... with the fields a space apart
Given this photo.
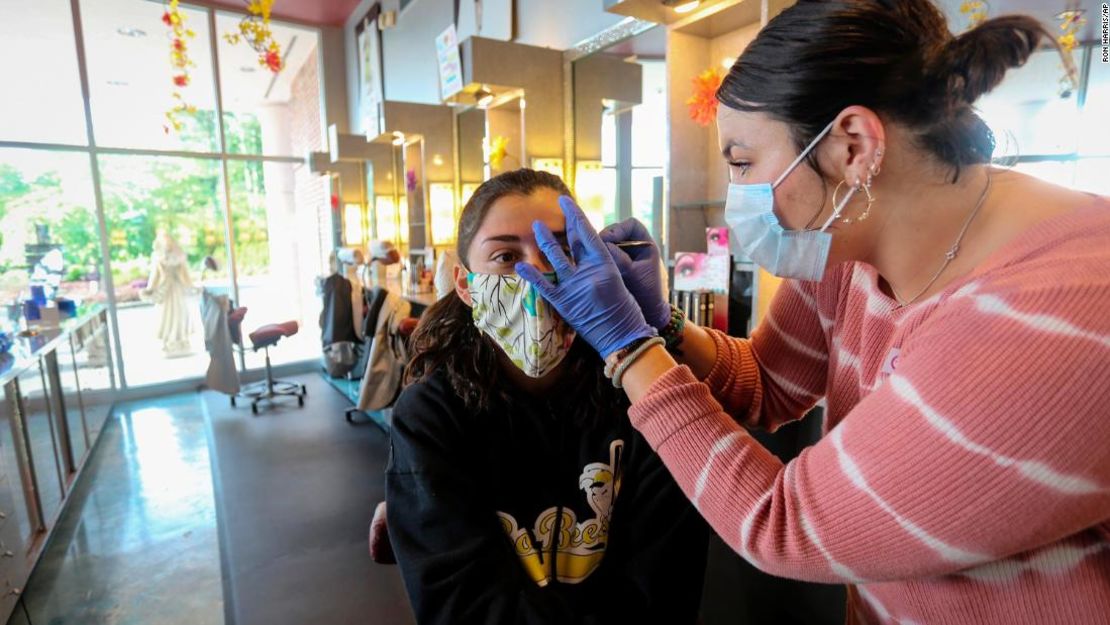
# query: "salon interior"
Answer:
x=220 y=221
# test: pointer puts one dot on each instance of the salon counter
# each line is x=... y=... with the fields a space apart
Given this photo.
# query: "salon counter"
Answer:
x=51 y=424
x=419 y=300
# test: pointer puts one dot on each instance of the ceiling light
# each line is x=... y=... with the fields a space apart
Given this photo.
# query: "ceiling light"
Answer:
x=398 y=138
x=131 y=32
x=728 y=62
x=686 y=7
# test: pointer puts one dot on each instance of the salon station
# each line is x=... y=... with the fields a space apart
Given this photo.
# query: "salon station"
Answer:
x=222 y=224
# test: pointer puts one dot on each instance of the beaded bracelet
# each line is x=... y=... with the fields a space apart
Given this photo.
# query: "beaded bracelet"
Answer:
x=618 y=356
x=672 y=332
x=627 y=361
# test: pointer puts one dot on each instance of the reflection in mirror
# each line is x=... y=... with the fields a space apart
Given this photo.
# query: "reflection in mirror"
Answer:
x=384 y=190
x=620 y=130
x=505 y=139
x=471 y=128
x=414 y=236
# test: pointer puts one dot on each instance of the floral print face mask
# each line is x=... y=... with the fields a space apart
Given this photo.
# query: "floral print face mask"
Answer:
x=511 y=312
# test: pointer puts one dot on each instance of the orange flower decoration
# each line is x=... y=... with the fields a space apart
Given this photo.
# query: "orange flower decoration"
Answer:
x=703 y=103
x=180 y=63
x=254 y=29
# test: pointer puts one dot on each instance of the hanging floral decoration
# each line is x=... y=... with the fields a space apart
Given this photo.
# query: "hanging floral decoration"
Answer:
x=703 y=103
x=498 y=149
x=975 y=11
x=1071 y=22
x=180 y=63
x=254 y=29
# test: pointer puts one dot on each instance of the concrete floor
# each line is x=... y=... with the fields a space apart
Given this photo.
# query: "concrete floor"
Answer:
x=193 y=512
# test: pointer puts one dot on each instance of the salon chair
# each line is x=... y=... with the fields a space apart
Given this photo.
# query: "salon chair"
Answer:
x=263 y=339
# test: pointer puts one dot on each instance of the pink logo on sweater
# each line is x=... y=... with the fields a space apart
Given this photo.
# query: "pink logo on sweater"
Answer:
x=890 y=363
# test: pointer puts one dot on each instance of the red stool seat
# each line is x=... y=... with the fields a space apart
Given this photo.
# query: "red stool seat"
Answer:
x=407 y=326
x=270 y=334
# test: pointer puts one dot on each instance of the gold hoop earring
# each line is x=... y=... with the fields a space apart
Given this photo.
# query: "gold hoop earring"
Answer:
x=866 y=211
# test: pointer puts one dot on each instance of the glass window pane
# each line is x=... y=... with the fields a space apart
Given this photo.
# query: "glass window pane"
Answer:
x=596 y=191
x=48 y=229
x=131 y=79
x=164 y=216
x=276 y=231
x=1026 y=112
x=1090 y=175
x=41 y=88
x=643 y=196
x=1095 y=138
x=267 y=113
x=609 y=139
x=649 y=119
x=1056 y=172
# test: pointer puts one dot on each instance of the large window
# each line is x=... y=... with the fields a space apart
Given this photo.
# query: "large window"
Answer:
x=41 y=91
x=48 y=230
x=164 y=216
x=127 y=48
x=1059 y=138
x=229 y=186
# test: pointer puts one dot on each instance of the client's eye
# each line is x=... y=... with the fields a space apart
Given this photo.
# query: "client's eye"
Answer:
x=504 y=257
x=743 y=166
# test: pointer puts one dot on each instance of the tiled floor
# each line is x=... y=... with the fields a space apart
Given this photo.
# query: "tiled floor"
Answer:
x=138 y=542
x=192 y=512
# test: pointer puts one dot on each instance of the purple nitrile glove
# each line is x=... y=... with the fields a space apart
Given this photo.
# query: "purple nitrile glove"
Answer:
x=640 y=268
x=589 y=294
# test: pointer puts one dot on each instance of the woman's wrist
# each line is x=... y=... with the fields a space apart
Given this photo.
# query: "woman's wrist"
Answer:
x=645 y=370
x=617 y=362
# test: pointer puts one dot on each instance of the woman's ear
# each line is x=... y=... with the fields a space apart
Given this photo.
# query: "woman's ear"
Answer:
x=462 y=287
x=861 y=150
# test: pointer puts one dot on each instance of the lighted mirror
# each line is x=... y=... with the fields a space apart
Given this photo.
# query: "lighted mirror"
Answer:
x=470 y=126
x=504 y=145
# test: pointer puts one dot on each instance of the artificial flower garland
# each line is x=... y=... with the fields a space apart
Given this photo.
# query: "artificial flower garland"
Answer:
x=255 y=30
x=976 y=12
x=180 y=62
x=1070 y=23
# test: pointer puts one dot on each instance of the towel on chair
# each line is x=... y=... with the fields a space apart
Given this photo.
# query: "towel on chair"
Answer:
x=381 y=383
x=222 y=374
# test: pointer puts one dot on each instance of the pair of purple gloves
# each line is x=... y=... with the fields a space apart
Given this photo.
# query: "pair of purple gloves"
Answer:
x=611 y=296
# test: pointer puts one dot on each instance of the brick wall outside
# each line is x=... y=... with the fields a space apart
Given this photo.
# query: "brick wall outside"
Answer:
x=311 y=195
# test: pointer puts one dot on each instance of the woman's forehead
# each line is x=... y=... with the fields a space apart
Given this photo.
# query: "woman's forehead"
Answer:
x=516 y=212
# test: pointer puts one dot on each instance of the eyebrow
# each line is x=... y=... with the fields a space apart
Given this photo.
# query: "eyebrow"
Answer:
x=560 y=235
x=734 y=144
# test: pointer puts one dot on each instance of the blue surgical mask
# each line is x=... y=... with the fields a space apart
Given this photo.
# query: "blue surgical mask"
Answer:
x=750 y=214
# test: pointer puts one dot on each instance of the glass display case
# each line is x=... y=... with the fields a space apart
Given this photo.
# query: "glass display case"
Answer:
x=48 y=423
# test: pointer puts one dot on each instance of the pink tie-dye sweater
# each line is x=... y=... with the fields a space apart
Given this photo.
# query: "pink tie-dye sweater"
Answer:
x=965 y=473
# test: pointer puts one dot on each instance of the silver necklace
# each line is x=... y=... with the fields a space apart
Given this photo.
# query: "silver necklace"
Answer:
x=951 y=254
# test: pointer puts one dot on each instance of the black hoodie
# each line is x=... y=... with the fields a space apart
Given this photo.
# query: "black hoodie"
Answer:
x=475 y=497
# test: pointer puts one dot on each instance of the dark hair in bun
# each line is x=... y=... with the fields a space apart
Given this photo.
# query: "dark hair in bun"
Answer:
x=896 y=57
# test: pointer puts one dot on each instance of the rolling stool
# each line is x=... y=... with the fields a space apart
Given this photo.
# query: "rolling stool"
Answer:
x=263 y=338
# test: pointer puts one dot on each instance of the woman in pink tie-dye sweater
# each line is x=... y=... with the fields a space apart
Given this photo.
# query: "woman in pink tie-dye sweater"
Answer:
x=957 y=329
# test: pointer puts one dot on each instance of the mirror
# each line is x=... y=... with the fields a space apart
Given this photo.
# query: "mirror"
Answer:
x=384 y=191
x=505 y=140
x=470 y=127
x=620 y=130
